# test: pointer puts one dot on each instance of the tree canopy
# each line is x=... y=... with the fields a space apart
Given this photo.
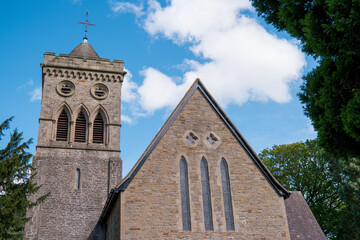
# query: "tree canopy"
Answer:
x=305 y=167
x=329 y=31
x=15 y=184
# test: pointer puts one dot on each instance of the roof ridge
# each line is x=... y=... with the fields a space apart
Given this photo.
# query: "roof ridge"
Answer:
x=196 y=85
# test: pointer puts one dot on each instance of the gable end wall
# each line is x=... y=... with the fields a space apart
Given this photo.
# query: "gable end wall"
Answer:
x=151 y=204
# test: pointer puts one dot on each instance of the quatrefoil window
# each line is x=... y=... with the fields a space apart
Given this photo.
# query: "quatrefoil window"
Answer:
x=191 y=138
x=212 y=139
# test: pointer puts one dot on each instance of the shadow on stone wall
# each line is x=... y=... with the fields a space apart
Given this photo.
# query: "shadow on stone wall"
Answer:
x=98 y=233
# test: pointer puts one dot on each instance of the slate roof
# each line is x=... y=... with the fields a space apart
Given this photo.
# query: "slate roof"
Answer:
x=84 y=50
x=197 y=85
x=301 y=221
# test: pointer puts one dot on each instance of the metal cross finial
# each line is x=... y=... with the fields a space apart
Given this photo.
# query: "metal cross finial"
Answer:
x=86 y=23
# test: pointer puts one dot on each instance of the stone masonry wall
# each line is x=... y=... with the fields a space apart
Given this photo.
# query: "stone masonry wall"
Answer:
x=70 y=213
x=113 y=222
x=151 y=205
x=54 y=69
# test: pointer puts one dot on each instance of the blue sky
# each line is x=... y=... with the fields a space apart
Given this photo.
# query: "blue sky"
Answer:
x=253 y=71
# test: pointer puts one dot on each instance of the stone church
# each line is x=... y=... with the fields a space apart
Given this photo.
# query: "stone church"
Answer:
x=198 y=178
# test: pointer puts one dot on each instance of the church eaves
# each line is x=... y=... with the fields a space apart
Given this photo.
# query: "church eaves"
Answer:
x=197 y=85
x=84 y=50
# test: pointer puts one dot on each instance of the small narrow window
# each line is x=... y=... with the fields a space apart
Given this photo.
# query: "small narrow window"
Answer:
x=185 y=201
x=80 y=128
x=225 y=181
x=62 y=127
x=77 y=183
x=205 y=184
x=98 y=129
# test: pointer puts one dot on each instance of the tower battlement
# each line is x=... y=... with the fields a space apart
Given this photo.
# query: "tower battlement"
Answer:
x=82 y=68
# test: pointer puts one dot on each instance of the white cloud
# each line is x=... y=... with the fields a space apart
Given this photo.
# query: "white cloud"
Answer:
x=239 y=60
x=310 y=128
x=159 y=91
x=130 y=98
x=129 y=87
x=126 y=119
x=27 y=84
x=35 y=94
x=190 y=20
x=124 y=7
x=76 y=1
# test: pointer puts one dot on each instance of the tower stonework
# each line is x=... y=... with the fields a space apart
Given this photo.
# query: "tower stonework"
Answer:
x=77 y=157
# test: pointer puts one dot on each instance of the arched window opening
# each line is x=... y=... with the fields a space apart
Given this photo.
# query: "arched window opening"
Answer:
x=77 y=179
x=225 y=181
x=80 y=128
x=62 y=127
x=98 y=129
x=185 y=200
x=205 y=184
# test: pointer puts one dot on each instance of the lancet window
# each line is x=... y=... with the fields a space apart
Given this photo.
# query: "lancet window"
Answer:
x=62 y=127
x=205 y=184
x=98 y=129
x=185 y=200
x=80 y=128
x=225 y=181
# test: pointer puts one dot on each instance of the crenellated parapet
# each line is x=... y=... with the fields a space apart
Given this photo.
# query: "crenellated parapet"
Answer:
x=83 y=69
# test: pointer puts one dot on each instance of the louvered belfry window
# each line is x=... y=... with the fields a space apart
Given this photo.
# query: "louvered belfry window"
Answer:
x=225 y=181
x=98 y=129
x=205 y=185
x=62 y=127
x=185 y=200
x=80 y=128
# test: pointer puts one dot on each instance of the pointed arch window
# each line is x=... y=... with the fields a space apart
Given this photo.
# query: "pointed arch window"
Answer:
x=205 y=184
x=62 y=127
x=80 y=128
x=98 y=129
x=185 y=200
x=225 y=181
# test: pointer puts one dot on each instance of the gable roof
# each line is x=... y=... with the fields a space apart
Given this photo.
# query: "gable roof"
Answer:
x=197 y=85
x=302 y=223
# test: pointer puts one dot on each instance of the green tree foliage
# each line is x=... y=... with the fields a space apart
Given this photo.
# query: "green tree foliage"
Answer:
x=16 y=185
x=329 y=31
x=305 y=167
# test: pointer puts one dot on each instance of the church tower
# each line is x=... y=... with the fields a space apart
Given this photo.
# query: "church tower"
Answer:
x=77 y=156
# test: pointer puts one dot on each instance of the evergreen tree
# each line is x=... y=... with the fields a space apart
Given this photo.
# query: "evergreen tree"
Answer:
x=15 y=184
x=329 y=31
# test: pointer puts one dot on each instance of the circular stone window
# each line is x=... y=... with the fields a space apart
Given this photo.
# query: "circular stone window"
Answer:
x=99 y=91
x=65 y=88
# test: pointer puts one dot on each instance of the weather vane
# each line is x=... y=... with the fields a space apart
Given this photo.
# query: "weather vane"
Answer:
x=86 y=23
